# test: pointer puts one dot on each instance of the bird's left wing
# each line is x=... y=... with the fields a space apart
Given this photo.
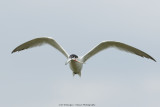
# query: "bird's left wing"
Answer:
x=121 y=46
x=40 y=41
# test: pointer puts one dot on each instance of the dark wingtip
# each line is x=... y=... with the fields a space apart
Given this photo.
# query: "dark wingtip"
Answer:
x=153 y=59
x=13 y=51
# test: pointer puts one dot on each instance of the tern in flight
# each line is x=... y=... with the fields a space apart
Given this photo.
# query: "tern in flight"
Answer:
x=76 y=62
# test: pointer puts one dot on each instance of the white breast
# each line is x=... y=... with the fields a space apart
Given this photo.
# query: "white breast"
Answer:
x=76 y=67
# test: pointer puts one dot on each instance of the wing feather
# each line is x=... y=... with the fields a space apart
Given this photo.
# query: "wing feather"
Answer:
x=38 y=42
x=121 y=46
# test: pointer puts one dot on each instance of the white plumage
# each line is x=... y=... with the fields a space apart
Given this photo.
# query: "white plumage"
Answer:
x=74 y=61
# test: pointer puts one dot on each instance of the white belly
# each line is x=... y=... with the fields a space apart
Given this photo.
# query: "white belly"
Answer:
x=76 y=67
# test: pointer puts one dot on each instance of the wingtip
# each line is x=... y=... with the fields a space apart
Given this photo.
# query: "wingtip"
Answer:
x=153 y=59
x=13 y=51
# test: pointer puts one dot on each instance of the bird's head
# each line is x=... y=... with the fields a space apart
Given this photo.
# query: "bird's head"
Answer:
x=72 y=57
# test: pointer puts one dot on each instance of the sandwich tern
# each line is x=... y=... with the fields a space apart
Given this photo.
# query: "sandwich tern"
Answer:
x=75 y=62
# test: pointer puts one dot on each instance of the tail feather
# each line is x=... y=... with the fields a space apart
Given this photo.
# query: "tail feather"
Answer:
x=79 y=74
x=73 y=73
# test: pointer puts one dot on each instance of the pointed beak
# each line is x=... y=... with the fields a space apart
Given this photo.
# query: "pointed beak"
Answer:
x=68 y=61
x=78 y=61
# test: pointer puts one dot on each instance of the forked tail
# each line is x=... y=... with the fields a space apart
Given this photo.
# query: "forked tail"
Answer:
x=77 y=73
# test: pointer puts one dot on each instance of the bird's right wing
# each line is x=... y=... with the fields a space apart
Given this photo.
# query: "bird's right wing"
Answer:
x=39 y=42
x=121 y=46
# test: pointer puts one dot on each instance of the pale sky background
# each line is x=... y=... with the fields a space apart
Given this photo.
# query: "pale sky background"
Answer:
x=38 y=77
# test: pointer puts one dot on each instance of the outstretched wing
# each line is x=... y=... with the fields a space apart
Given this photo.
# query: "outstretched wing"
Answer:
x=40 y=41
x=121 y=46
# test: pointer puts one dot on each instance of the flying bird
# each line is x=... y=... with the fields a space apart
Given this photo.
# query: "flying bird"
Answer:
x=75 y=62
